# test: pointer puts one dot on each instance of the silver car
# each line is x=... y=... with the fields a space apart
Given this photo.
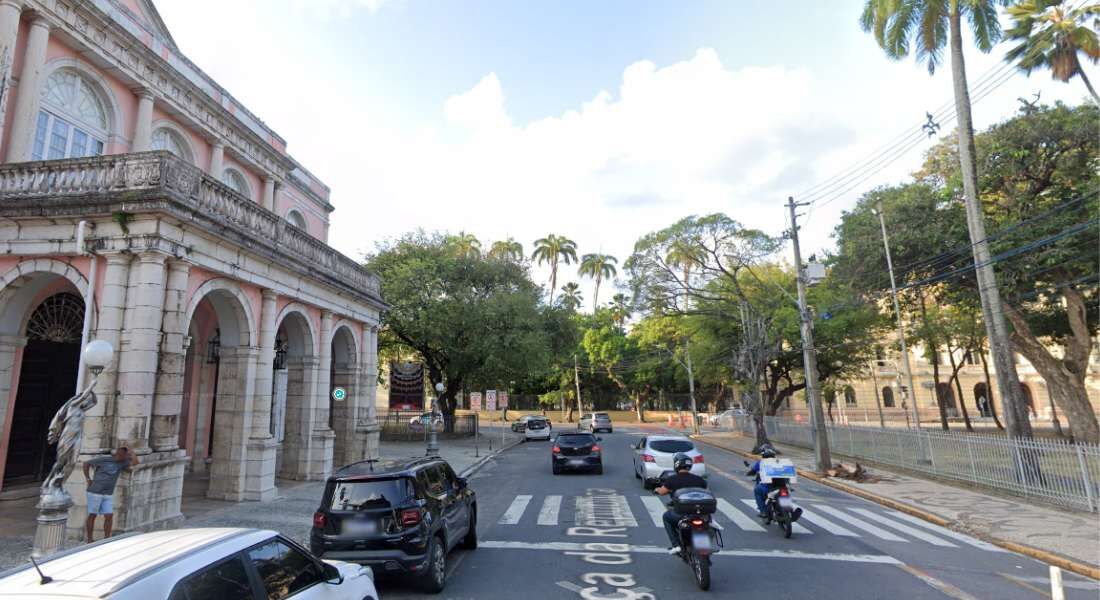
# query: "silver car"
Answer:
x=653 y=456
x=594 y=422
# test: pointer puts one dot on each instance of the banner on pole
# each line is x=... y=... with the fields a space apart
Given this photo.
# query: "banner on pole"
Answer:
x=491 y=400
x=475 y=401
x=503 y=400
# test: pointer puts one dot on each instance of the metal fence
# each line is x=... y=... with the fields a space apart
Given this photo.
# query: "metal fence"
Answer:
x=399 y=426
x=1049 y=470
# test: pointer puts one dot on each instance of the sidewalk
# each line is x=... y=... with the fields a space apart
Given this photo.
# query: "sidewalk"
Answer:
x=290 y=513
x=1074 y=537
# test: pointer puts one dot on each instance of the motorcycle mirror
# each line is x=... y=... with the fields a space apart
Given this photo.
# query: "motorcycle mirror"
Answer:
x=746 y=463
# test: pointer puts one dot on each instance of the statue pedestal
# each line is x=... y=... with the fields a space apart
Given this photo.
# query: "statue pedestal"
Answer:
x=53 y=513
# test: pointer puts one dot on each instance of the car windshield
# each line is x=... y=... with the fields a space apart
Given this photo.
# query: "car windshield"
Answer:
x=574 y=440
x=671 y=446
x=380 y=493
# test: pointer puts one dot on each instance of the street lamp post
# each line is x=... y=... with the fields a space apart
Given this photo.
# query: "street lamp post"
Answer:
x=67 y=431
x=433 y=439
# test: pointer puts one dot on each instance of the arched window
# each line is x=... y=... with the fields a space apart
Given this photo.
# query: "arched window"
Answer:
x=72 y=122
x=296 y=219
x=849 y=395
x=235 y=180
x=167 y=139
x=888 y=397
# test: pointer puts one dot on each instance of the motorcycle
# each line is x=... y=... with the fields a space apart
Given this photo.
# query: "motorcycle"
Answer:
x=779 y=506
x=700 y=535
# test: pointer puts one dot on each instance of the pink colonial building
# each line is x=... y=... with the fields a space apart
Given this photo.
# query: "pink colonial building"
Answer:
x=143 y=205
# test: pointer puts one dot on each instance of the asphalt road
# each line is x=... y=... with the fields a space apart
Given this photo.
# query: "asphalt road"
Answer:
x=535 y=543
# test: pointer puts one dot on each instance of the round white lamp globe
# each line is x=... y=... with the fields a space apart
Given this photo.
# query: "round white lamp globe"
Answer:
x=97 y=355
x=439 y=387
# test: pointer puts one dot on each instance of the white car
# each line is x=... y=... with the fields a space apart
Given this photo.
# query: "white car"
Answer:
x=726 y=418
x=191 y=564
x=538 y=428
x=653 y=456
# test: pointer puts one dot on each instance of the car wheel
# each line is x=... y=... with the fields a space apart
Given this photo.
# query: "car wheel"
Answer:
x=470 y=541
x=436 y=575
x=636 y=475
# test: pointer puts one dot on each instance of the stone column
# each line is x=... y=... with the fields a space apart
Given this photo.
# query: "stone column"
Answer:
x=169 y=387
x=10 y=346
x=232 y=421
x=368 y=427
x=140 y=351
x=143 y=121
x=9 y=31
x=217 y=157
x=269 y=193
x=301 y=383
x=26 y=98
x=98 y=428
x=317 y=425
x=349 y=446
x=260 y=474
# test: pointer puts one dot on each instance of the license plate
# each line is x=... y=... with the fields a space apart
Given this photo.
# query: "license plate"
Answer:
x=360 y=527
x=577 y=461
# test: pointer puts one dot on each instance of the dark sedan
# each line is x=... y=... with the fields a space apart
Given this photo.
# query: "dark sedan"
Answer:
x=576 y=452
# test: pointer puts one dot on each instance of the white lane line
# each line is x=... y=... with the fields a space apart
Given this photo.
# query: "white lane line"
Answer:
x=578 y=547
x=550 y=508
x=962 y=537
x=826 y=524
x=795 y=527
x=739 y=518
x=515 y=511
x=859 y=524
x=917 y=533
x=655 y=508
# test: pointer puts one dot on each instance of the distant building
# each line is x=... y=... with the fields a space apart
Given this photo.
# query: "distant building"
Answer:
x=204 y=263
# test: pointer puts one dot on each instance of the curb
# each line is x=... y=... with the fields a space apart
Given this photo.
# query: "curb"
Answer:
x=1050 y=558
x=470 y=470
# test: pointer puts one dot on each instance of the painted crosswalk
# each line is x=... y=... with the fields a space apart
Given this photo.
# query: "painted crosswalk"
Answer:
x=617 y=510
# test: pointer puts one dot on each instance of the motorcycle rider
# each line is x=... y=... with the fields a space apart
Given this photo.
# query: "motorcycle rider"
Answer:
x=683 y=478
x=761 y=490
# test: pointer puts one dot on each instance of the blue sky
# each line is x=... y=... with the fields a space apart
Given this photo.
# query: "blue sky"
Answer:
x=597 y=120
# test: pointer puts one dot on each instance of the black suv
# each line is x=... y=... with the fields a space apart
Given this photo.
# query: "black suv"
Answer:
x=397 y=516
x=576 y=451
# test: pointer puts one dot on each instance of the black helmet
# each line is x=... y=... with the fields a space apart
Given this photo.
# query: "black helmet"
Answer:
x=681 y=462
x=767 y=452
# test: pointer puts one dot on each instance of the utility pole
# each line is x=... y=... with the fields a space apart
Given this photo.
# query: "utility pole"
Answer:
x=577 y=381
x=912 y=393
x=809 y=354
x=691 y=388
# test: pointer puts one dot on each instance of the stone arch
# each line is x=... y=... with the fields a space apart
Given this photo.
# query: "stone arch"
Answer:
x=20 y=286
x=345 y=344
x=294 y=384
x=98 y=84
x=343 y=415
x=303 y=340
x=232 y=307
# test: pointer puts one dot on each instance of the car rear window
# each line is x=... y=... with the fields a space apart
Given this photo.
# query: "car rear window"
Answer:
x=378 y=493
x=573 y=440
x=536 y=424
x=602 y=416
x=671 y=445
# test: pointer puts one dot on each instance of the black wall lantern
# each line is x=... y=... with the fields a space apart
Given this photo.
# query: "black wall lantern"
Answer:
x=281 y=346
x=214 y=348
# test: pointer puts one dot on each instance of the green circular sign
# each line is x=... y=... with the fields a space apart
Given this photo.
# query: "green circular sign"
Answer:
x=339 y=393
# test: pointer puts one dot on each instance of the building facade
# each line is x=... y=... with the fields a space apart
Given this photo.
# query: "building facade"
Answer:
x=145 y=206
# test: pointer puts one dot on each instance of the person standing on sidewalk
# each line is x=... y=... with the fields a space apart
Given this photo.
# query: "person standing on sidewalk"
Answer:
x=102 y=486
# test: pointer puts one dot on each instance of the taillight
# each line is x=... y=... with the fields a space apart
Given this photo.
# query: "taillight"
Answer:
x=319 y=520
x=648 y=458
x=595 y=448
x=784 y=492
x=697 y=523
x=556 y=449
x=698 y=458
x=410 y=517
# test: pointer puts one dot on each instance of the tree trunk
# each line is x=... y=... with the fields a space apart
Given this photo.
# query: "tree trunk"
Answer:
x=1054 y=415
x=955 y=368
x=1065 y=377
x=992 y=311
x=640 y=409
x=596 y=295
x=934 y=356
x=1088 y=84
x=989 y=389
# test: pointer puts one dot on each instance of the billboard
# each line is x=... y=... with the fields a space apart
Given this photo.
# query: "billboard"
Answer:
x=475 y=401
x=503 y=400
x=491 y=400
x=406 y=386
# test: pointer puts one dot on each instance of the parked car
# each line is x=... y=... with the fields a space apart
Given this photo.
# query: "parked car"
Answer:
x=399 y=517
x=726 y=418
x=521 y=424
x=653 y=456
x=595 y=422
x=576 y=452
x=190 y=564
x=538 y=428
x=417 y=423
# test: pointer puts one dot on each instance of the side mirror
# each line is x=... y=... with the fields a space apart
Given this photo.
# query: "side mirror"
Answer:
x=461 y=481
x=332 y=574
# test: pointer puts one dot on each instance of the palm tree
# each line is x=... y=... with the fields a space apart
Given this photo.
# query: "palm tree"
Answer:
x=682 y=255
x=598 y=267
x=508 y=250
x=465 y=245
x=571 y=297
x=553 y=249
x=1050 y=35
x=933 y=24
x=620 y=308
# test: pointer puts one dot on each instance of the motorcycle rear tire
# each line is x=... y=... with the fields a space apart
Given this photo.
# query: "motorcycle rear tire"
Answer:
x=701 y=566
x=785 y=523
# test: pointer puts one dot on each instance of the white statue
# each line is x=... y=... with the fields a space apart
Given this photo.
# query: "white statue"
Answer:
x=66 y=430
